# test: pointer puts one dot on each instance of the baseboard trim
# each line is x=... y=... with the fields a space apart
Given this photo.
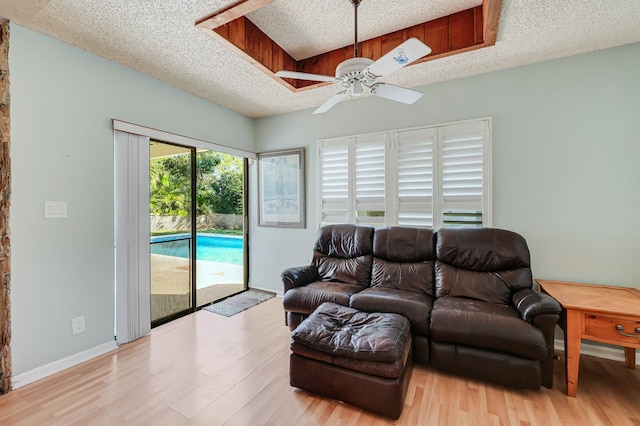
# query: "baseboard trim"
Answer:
x=606 y=352
x=278 y=293
x=38 y=373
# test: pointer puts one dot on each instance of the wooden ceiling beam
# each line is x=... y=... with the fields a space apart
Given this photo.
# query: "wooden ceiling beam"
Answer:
x=491 y=10
x=460 y=32
x=228 y=14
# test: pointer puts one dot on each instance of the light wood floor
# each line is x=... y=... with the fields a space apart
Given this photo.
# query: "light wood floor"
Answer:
x=206 y=369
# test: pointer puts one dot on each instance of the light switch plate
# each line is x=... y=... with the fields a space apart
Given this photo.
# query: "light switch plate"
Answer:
x=55 y=209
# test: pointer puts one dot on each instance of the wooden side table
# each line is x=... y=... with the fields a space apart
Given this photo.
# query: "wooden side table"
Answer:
x=607 y=314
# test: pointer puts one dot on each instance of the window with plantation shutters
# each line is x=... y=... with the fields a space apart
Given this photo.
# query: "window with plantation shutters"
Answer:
x=415 y=177
x=433 y=176
x=369 y=156
x=462 y=174
x=333 y=168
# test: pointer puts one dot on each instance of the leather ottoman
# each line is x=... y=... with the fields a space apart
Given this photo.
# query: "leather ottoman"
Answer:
x=361 y=358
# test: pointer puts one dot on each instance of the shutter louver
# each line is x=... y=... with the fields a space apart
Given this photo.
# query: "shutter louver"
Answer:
x=462 y=170
x=415 y=177
x=370 y=180
x=334 y=179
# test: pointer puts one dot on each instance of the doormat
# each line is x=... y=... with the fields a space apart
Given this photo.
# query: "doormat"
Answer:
x=238 y=303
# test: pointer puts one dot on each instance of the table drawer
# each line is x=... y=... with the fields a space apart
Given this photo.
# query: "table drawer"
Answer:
x=607 y=328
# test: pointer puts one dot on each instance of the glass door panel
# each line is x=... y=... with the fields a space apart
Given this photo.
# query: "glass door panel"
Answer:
x=220 y=256
x=170 y=189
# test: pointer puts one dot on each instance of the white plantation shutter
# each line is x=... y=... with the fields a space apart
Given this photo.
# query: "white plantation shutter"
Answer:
x=462 y=174
x=333 y=168
x=414 y=192
x=370 y=177
x=436 y=176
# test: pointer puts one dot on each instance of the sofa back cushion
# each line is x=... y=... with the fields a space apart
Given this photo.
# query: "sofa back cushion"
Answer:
x=403 y=258
x=344 y=253
x=481 y=263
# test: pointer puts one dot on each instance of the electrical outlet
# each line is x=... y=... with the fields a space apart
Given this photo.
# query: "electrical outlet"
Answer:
x=77 y=325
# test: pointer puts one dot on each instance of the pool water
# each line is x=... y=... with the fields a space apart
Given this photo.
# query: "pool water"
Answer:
x=215 y=248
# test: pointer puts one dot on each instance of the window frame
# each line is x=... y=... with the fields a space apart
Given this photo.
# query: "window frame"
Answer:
x=391 y=177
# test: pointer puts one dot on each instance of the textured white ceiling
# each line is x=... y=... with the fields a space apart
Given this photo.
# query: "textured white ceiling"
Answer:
x=307 y=28
x=159 y=38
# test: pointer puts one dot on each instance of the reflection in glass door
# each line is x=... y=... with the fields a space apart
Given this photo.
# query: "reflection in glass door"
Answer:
x=170 y=190
x=196 y=258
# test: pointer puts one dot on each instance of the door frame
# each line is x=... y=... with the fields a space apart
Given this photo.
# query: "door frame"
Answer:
x=127 y=225
x=194 y=244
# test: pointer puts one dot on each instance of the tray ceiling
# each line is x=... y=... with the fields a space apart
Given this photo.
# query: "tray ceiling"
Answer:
x=159 y=38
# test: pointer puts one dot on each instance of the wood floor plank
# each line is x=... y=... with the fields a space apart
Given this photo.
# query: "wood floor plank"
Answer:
x=209 y=369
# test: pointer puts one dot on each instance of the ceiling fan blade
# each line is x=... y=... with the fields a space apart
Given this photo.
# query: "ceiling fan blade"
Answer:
x=409 y=51
x=331 y=102
x=305 y=76
x=396 y=93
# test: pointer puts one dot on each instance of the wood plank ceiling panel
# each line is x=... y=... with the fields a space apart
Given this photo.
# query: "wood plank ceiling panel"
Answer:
x=463 y=31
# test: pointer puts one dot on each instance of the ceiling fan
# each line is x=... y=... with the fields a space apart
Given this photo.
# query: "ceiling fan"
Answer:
x=358 y=73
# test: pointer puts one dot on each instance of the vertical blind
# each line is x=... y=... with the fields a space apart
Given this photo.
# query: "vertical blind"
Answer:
x=435 y=176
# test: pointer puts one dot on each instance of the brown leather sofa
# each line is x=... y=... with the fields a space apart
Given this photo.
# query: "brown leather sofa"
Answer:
x=467 y=294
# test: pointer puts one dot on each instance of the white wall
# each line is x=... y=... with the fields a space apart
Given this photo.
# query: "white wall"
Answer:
x=62 y=103
x=566 y=148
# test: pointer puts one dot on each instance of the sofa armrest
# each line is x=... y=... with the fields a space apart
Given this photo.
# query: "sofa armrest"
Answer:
x=542 y=311
x=531 y=303
x=298 y=276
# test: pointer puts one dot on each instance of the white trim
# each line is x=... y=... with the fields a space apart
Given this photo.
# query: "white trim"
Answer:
x=178 y=139
x=487 y=172
x=590 y=349
x=437 y=196
x=41 y=372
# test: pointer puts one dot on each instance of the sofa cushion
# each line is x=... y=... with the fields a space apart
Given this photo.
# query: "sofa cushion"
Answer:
x=400 y=244
x=344 y=253
x=416 y=307
x=305 y=300
x=485 y=325
x=346 y=332
x=482 y=263
x=403 y=259
x=482 y=249
x=495 y=287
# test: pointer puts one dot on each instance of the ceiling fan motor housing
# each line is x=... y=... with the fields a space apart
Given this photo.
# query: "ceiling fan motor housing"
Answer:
x=351 y=71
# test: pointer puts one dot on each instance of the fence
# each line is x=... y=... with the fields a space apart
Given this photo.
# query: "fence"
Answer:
x=181 y=223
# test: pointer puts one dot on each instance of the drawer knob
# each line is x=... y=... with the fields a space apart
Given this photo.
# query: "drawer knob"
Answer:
x=620 y=329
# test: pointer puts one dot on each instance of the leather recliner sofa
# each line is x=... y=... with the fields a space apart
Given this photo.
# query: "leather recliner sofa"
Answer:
x=467 y=293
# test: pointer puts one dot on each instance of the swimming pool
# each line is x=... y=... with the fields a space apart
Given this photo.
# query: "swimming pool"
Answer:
x=216 y=248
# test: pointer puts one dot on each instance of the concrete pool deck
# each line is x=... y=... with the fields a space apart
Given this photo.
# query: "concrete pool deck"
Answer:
x=170 y=283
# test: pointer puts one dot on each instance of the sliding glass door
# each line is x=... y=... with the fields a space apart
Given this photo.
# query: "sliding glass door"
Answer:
x=197 y=207
x=221 y=266
x=172 y=230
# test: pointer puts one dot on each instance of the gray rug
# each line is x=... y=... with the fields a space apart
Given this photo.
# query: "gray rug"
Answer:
x=238 y=303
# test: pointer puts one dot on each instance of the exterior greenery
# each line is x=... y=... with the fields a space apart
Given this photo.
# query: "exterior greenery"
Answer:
x=219 y=184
